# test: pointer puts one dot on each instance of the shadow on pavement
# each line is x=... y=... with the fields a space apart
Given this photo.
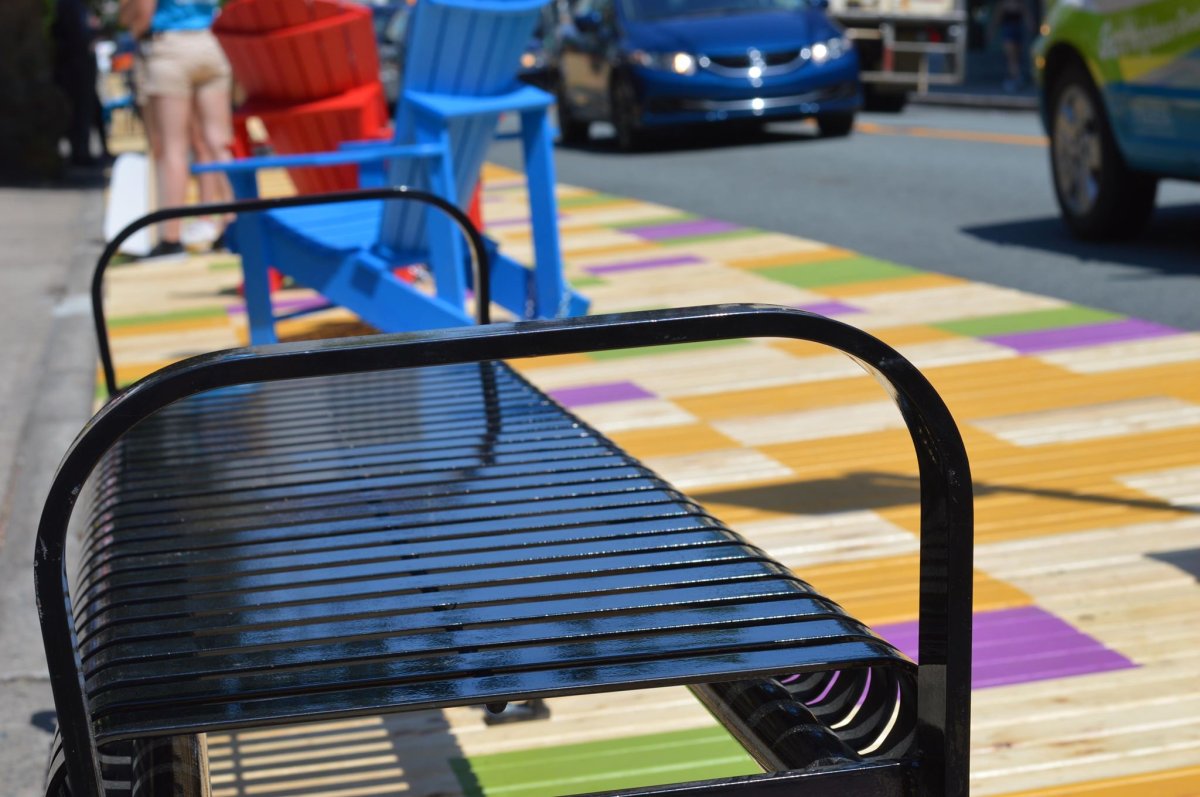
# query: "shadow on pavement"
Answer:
x=1187 y=560
x=873 y=490
x=1167 y=246
x=698 y=138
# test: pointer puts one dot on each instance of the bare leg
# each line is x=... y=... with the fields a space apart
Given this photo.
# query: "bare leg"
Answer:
x=214 y=118
x=171 y=116
x=213 y=186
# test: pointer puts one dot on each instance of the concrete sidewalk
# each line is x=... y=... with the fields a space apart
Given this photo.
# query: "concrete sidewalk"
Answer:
x=50 y=238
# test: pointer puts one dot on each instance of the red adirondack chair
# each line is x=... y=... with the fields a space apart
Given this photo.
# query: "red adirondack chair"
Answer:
x=310 y=71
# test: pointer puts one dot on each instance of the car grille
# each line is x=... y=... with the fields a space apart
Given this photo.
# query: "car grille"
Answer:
x=738 y=65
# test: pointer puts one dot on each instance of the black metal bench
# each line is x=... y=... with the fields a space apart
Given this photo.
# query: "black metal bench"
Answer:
x=349 y=527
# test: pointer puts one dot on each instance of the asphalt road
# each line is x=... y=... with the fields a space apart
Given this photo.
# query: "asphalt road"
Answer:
x=957 y=191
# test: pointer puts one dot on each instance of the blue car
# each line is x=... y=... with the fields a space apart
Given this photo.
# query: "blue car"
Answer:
x=645 y=64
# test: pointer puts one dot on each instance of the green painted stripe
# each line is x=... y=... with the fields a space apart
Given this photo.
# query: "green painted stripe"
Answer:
x=836 y=272
x=224 y=265
x=608 y=748
x=673 y=348
x=589 y=201
x=192 y=314
x=653 y=221
x=587 y=281
x=628 y=762
x=1034 y=320
x=745 y=232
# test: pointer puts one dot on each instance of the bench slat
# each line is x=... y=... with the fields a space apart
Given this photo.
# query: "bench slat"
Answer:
x=405 y=540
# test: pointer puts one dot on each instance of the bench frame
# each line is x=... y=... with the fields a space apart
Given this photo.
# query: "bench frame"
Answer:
x=943 y=709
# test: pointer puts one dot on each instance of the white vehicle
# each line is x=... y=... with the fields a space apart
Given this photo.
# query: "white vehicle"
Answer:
x=904 y=45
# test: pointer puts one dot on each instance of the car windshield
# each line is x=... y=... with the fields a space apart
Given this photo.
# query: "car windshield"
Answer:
x=646 y=10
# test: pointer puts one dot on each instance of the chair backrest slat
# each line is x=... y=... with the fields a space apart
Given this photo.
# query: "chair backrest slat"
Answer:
x=459 y=48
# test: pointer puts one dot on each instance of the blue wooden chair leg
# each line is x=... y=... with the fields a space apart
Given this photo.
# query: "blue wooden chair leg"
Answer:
x=256 y=261
x=446 y=253
x=537 y=140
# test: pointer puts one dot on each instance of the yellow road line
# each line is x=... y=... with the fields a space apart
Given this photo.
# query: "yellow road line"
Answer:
x=873 y=128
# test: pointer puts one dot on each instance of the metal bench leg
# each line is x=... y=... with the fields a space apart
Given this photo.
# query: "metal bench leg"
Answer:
x=171 y=766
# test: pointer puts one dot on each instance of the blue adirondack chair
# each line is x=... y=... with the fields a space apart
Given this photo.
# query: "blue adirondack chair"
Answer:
x=460 y=75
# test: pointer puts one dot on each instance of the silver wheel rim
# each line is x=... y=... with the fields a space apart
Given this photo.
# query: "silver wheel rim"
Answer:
x=1078 y=156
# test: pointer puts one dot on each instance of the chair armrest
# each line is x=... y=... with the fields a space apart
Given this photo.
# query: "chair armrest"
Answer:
x=524 y=98
x=355 y=155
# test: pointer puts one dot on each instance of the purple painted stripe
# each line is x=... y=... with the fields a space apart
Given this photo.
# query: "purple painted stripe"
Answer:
x=285 y=305
x=683 y=229
x=828 y=688
x=1013 y=646
x=514 y=222
x=637 y=265
x=1082 y=660
x=1087 y=335
x=829 y=308
x=598 y=394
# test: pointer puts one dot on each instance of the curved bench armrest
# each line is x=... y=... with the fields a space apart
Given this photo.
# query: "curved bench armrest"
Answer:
x=480 y=253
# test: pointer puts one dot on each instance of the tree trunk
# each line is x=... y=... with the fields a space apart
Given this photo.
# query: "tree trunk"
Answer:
x=33 y=112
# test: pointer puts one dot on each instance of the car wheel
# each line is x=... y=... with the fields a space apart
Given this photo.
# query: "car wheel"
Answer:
x=571 y=129
x=884 y=101
x=834 y=125
x=630 y=136
x=1099 y=196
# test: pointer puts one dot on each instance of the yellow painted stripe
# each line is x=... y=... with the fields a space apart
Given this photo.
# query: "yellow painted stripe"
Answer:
x=792 y=258
x=873 y=128
x=880 y=591
x=1174 y=783
x=611 y=249
x=916 y=282
x=169 y=327
x=672 y=441
x=551 y=361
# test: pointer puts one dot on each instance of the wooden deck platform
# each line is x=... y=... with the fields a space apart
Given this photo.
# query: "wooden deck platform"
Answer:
x=1084 y=431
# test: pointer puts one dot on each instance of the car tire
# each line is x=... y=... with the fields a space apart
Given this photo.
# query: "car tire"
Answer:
x=835 y=125
x=571 y=129
x=1100 y=197
x=884 y=101
x=625 y=121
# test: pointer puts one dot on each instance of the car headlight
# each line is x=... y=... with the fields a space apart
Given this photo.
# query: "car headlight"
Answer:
x=829 y=50
x=679 y=63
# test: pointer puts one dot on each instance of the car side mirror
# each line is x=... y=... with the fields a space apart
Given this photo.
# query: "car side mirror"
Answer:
x=588 y=22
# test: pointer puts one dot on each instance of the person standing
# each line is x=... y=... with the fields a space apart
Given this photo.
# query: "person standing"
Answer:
x=184 y=80
x=75 y=72
x=1015 y=22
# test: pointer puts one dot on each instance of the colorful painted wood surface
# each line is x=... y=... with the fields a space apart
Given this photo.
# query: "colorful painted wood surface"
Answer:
x=1084 y=432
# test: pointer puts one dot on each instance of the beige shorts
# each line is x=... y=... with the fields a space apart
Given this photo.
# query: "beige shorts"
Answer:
x=179 y=63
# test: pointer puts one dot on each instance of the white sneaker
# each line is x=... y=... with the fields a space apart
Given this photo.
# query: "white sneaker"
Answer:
x=199 y=234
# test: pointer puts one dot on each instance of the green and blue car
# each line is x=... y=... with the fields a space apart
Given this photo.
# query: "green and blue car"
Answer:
x=1120 y=94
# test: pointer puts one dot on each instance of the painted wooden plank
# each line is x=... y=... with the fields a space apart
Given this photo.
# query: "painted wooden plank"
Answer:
x=723 y=466
x=1110 y=419
x=1127 y=355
